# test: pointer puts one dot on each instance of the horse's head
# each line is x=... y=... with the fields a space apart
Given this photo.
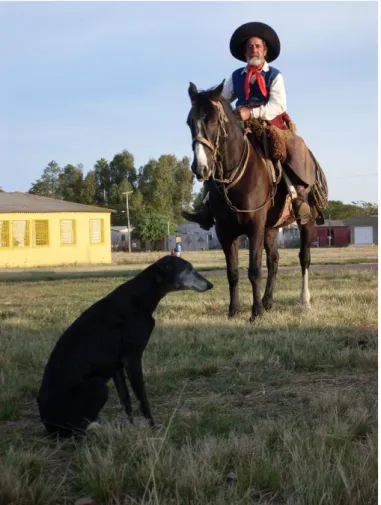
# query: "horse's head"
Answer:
x=205 y=121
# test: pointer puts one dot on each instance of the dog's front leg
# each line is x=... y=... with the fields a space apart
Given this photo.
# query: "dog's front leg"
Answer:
x=135 y=375
x=124 y=396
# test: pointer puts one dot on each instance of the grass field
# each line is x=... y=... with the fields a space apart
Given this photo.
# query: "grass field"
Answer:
x=125 y=264
x=280 y=412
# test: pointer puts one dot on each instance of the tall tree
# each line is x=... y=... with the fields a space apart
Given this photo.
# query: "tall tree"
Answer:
x=182 y=187
x=145 y=179
x=70 y=182
x=89 y=188
x=161 y=199
x=122 y=167
x=103 y=181
x=48 y=184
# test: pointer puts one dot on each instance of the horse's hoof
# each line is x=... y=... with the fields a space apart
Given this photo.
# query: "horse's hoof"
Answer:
x=305 y=305
x=233 y=312
x=254 y=317
x=267 y=304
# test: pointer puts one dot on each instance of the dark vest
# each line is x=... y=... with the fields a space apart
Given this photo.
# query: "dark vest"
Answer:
x=255 y=93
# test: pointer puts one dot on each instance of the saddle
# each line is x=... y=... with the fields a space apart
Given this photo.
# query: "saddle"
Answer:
x=284 y=146
x=286 y=149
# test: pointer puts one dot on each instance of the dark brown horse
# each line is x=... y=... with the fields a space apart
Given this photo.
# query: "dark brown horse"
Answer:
x=243 y=198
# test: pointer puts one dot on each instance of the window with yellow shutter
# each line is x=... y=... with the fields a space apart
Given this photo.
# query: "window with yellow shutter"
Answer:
x=96 y=231
x=20 y=234
x=41 y=232
x=4 y=233
x=68 y=232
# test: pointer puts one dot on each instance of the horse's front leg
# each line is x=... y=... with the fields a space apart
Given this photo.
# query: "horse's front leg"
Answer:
x=230 y=248
x=306 y=232
x=256 y=239
x=272 y=260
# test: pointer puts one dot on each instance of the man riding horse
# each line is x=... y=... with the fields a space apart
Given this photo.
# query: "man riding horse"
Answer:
x=261 y=98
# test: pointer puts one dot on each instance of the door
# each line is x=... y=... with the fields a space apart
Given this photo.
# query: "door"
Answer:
x=363 y=235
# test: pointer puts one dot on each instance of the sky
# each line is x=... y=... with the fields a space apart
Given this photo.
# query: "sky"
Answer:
x=86 y=80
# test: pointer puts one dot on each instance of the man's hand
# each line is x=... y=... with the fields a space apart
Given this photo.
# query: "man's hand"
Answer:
x=244 y=113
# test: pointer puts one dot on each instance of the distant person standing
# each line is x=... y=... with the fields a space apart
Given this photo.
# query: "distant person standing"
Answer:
x=178 y=249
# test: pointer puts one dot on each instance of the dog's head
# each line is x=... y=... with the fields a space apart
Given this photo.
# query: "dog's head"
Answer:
x=176 y=274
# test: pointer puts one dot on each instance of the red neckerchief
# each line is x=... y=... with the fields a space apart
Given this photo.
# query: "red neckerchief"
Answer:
x=250 y=71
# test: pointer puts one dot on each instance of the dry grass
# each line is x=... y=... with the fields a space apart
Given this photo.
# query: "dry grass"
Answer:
x=280 y=412
x=125 y=264
x=288 y=257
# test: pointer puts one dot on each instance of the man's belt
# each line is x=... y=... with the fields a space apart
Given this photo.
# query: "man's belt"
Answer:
x=252 y=105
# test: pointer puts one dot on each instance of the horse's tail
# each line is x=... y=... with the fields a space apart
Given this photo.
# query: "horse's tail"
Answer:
x=319 y=190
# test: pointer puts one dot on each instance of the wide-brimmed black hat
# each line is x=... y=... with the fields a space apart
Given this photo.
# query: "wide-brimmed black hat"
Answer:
x=255 y=29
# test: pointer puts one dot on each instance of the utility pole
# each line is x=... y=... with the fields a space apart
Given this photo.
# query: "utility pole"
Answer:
x=329 y=231
x=128 y=219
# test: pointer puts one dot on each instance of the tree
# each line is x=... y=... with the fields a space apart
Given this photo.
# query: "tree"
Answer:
x=367 y=208
x=161 y=199
x=182 y=188
x=89 y=187
x=152 y=227
x=122 y=168
x=198 y=200
x=48 y=184
x=70 y=183
x=103 y=181
x=339 y=210
x=145 y=179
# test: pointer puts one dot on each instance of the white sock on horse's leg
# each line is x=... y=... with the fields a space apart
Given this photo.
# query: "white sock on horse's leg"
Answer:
x=305 y=296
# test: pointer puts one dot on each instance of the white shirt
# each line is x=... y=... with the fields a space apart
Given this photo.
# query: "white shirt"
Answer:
x=276 y=104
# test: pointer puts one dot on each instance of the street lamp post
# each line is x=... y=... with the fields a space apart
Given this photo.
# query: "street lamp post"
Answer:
x=128 y=219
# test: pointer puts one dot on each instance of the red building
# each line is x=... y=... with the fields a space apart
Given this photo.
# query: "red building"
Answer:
x=337 y=230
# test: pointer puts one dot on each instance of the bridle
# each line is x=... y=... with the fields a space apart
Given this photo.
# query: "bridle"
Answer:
x=217 y=165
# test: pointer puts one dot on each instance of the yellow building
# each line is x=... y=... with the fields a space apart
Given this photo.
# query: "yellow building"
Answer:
x=40 y=231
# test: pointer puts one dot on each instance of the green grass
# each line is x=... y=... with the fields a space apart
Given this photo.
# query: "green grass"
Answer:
x=283 y=411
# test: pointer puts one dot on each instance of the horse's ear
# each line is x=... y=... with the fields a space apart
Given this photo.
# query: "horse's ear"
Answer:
x=192 y=91
x=216 y=92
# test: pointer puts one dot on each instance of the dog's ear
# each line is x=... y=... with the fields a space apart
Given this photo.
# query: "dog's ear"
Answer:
x=164 y=271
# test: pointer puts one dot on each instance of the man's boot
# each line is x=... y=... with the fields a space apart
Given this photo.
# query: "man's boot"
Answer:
x=204 y=217
x=300 y=206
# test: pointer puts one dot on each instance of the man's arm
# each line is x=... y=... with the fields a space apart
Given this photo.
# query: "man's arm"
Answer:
x=277 y=103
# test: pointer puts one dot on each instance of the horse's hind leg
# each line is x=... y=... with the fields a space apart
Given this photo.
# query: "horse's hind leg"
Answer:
x=306 y=231
x=272 y=260
x=230 y=248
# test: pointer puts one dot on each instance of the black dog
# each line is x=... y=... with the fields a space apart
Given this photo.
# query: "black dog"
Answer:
x=108 y=338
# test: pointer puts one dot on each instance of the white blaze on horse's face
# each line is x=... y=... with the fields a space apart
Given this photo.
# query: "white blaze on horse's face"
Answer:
x=199 y=152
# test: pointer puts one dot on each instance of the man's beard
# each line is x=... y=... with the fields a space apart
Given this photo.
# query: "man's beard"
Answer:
x=255 y=62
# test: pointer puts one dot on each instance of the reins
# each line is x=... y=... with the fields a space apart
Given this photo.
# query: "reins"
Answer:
x=238 y=171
